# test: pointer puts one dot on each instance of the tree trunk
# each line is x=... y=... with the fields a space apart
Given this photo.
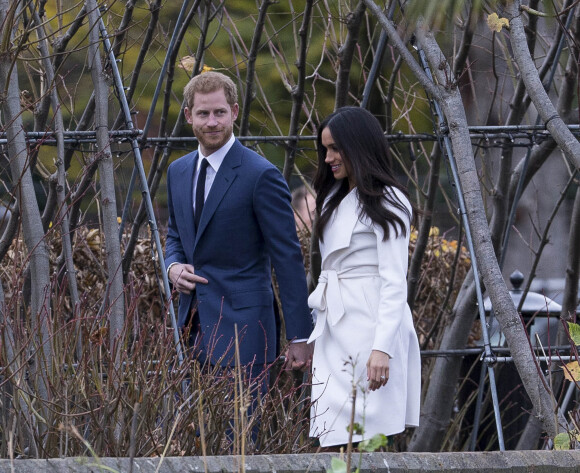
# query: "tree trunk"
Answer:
x=504 y=309
x=32 y=230
x=115 y=300
x=535 y=89
x=61 y=187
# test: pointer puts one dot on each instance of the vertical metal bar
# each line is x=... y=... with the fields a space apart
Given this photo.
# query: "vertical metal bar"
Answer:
x=378 y=60
x=463 y=211
x=140 y=170
x=374 y=69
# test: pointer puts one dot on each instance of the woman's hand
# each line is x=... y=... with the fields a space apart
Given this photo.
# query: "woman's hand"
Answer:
x=377 y=369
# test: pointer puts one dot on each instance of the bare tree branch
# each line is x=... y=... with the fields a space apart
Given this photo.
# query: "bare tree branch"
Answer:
x=345 y=55
x=251 y=67
x=298 y=93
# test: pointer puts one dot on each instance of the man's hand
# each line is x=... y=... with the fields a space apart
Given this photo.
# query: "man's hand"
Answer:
x=298 y=356
x=184 y=278
x=378 y=369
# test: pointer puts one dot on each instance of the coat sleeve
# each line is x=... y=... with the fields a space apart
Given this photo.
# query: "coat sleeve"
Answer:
x=174 y=252
x=273 y=209
x=393 y=255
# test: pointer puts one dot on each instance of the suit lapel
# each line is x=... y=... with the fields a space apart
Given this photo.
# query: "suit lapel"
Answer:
x=187 y=201
x=223 y=180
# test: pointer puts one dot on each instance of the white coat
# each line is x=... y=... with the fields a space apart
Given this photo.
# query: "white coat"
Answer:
x=360 y=305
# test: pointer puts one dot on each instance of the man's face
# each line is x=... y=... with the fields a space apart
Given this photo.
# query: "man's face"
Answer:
x=305 y=211
x=212 y=120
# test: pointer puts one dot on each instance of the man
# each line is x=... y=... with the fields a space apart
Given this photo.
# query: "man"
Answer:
x=221 y=264
x=304 y=205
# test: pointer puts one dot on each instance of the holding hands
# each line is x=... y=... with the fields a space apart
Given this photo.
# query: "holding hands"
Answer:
x=298 y=356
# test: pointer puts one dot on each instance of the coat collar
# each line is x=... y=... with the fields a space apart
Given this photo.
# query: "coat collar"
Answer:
x=339 y=229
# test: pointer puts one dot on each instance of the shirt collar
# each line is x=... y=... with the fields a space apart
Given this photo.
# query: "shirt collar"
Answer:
x=216 y=159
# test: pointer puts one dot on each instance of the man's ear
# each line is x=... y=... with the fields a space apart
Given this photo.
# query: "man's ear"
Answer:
x=187 y=114
x=235 y=111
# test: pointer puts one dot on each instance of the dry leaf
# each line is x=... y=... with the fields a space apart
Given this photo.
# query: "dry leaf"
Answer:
x=572 y=371
x=187 y=63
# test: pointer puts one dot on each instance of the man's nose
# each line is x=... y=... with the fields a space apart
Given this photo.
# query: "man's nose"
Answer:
x=212 y=121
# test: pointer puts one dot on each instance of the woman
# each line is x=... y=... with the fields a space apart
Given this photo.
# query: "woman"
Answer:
x=364 y=331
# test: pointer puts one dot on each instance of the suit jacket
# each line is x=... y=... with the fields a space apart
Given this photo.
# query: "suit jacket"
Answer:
x=247 y=226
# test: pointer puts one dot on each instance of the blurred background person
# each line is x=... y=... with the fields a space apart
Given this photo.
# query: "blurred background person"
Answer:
x=304 y=205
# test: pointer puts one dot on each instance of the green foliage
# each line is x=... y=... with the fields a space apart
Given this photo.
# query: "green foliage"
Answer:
x=567 y=440
x=376 y=442
x=574 y=330
x=562 y=441
x=357 y=429
x=337 y=466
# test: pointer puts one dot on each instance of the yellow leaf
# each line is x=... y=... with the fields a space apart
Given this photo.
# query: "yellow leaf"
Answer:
x=572 y=371
x=496 y=23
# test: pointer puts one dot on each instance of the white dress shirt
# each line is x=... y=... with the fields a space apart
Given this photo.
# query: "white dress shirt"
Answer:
x=214 y=161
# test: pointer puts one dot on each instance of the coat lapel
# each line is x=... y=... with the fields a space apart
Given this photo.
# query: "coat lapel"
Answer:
x=223 y=180
x=341 y=225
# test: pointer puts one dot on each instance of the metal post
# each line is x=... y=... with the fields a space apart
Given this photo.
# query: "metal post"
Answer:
x=140 y=170
x=383 y=38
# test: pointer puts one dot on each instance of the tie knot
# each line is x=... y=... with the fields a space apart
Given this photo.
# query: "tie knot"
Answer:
x=203 y=165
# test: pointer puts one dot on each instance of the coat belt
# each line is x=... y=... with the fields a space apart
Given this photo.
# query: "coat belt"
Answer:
x=326 y=299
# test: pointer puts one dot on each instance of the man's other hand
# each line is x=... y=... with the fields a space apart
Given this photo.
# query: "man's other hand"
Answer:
x=184 y=278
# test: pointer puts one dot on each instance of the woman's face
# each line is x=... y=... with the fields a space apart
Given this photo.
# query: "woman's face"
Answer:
x=333 y=157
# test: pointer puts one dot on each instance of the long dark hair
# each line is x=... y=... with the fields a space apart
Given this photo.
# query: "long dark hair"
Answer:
x=364 y=150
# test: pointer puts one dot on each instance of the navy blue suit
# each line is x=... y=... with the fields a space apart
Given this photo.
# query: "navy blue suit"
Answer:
x=246 y=226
